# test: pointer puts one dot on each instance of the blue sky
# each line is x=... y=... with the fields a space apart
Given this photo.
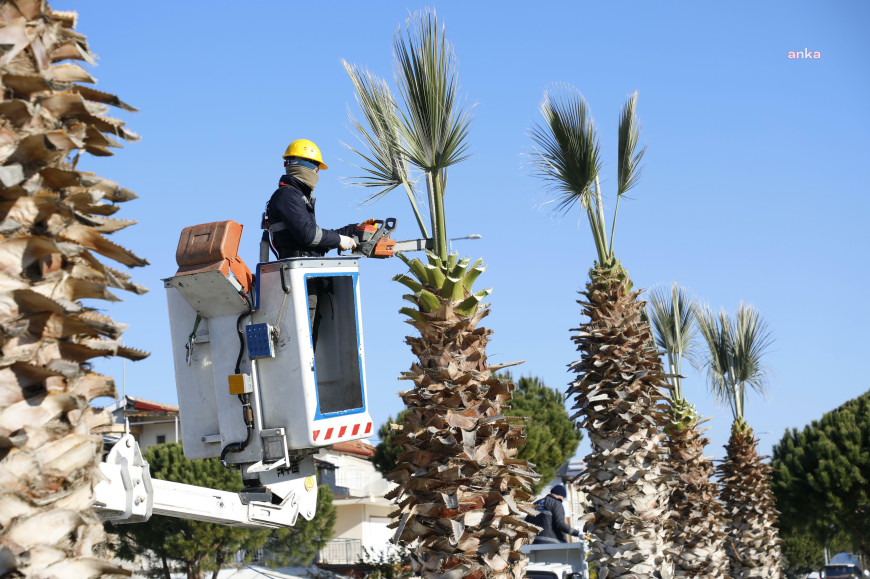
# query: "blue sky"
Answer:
x=754 y=187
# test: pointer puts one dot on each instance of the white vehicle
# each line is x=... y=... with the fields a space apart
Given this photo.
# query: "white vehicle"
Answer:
x=260 y=384
x=557 y=561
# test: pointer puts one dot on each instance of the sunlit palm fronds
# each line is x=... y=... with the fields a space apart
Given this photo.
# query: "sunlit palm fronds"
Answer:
x=435 y=124
x=568 y=152
x=567 y=156
x=752 y=339
x=628 y=168
x=735 y=349
x=384 y=161
x=672 y=315
x=429 y=131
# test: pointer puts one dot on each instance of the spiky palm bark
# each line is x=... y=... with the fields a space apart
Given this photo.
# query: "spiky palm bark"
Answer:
x=52 y=221
x=697 y=530
x=753 y=544
x=462 y=493
x=618 y=393
x=735 y=350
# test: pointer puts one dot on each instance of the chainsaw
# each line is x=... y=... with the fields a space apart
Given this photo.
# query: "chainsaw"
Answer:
x=373 y=240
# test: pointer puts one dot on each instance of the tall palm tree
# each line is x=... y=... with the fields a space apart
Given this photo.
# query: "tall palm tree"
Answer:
x=698 y=531
x=619 y=383
x=53 y=221
x=734 y=363
x=462 y=491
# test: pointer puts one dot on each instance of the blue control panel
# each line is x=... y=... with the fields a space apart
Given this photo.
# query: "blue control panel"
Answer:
x=259 y=341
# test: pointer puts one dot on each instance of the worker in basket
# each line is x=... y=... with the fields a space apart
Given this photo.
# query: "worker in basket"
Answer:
x=293 y=227
x=551 y=518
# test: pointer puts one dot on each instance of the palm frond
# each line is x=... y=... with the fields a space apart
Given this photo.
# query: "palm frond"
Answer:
x=752 y=340
x=716 y=331
x=672 y=315
x=434 y=124
x=567 y=153
x=673 y=319
x=628 y=168
x=734 y=360
x=384 y=161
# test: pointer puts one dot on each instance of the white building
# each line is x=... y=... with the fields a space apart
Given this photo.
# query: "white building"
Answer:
x=149 y=422
x=362 y=511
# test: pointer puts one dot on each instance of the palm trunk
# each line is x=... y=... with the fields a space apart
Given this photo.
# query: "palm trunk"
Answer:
x=463 y=493
x=698 y=533
x=618 y=395
x=753 y=543
x=52 y=218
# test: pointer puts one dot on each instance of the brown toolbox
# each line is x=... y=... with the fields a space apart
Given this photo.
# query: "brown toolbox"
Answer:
x=213 y=246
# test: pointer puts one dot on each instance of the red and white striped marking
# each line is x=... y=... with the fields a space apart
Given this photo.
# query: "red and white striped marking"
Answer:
x=343 y=430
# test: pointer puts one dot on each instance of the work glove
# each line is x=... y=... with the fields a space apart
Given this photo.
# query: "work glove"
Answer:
x=369 y=222
x=346 y=243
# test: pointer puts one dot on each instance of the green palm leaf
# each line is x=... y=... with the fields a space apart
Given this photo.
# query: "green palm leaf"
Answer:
x=435 y=125
x=628 y=167
x=734 y=356
x=752 y=339
x=672 y=315
x=385 y=164
x=568 y=151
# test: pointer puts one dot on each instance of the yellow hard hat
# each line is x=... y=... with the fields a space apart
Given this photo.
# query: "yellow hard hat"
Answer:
x=306 y=150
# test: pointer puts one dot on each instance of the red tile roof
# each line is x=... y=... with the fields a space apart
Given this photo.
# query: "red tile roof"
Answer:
x=355 y=447
x=148 y=406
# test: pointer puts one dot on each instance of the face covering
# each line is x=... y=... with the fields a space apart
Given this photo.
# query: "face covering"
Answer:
x=304 y=174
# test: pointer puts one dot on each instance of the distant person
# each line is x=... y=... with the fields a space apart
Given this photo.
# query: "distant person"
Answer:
x=551 y=518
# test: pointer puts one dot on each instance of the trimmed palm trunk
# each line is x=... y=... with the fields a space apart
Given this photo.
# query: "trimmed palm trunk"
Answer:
x=697 y=531
x=753 y=544
x=735 y=349
x=463 y=493
x=52 y=224
x=618 y=393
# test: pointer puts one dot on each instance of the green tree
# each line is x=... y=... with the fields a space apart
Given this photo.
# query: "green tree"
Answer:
x=461 y=488
x=733 y=360
x=619 y=378
x=821 y=474
x=387 y=451
x=193 y=546
x=801 y=553
x=551 y=435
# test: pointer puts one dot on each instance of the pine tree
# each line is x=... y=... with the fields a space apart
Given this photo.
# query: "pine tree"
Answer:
x=821 y=474
x=193 y=546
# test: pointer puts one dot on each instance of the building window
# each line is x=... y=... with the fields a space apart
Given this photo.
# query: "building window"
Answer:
x=161 y=439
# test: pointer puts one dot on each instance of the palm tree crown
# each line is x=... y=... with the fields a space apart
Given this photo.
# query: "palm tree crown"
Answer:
x=429 y=132
x=736 y=348
x=672 y=316
x=568 y=156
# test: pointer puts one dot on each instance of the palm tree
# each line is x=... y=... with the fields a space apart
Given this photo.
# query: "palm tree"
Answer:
x=53 y=219
x=618 y=388
x=733 y=364
x=462 y=491
x=698 y=531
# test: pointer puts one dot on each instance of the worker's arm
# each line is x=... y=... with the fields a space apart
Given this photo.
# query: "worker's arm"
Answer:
x=559 y=521
x=301 y=227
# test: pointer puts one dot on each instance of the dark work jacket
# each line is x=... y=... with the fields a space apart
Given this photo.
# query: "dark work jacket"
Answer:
x=551 y=518
x=292 y=205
